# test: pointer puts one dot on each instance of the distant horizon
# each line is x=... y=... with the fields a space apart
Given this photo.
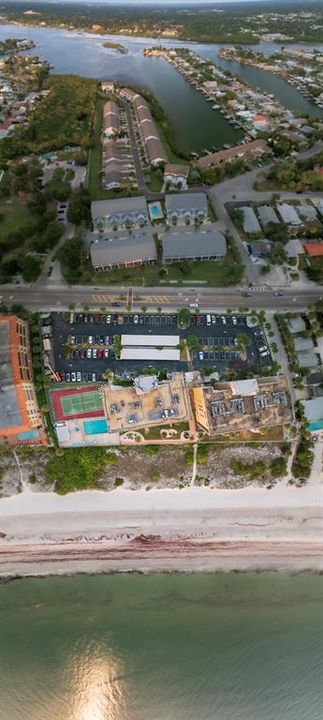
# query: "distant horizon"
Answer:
x=158 y=3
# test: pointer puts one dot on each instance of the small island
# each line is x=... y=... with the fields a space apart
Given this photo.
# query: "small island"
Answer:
x=116 y=46
x=13 y=45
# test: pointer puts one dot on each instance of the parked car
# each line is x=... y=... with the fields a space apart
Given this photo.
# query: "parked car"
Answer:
x=93 y=377
x=94 y=353
x=68 y=377
x=78 y=377
x=136 y=319
x=107 y=340
x=106 y=353
x=90 y=340
x=89 y=353
x=234 y=320
x=108 y=320
x=201 y=355
x=73 y=377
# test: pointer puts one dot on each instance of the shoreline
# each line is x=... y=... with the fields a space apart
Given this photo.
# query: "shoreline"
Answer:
x=162 y=531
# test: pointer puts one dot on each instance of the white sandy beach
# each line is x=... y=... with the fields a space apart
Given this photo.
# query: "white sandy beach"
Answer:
x=194 y=529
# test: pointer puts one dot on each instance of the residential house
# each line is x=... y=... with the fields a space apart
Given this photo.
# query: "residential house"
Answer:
x=289 y=215
x=250 y=222
x=111 y=119
x=255 y=148
x=267 y=215
x=176 y=176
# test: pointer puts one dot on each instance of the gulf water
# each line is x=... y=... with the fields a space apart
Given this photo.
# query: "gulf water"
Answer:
x=162 y=647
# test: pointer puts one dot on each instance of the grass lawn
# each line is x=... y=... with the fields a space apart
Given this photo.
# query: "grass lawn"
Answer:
x=154 y=433
x=215 y=274
x=13 y=216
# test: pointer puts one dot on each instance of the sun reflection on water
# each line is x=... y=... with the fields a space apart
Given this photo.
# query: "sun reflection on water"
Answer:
x=99 y=688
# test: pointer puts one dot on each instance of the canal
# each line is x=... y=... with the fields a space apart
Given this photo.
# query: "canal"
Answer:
x=196 y=125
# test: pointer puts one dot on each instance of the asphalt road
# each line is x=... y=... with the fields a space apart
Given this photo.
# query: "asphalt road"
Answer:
x=208 y=298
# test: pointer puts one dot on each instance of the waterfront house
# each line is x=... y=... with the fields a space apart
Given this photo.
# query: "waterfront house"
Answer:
x=255 y=148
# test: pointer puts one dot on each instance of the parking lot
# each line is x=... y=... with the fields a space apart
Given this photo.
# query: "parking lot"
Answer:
x=84 y=345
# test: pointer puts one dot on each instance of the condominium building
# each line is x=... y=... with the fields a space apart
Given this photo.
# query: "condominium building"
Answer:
x=20 y=418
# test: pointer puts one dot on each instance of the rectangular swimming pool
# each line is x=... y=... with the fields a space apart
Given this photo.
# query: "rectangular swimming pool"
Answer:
x=95 y=427
x=156 y=211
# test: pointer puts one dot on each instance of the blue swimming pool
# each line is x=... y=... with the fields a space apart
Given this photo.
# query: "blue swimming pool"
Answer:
x=28 y=435
x=318 y=425
x=95 y=427
x=156 y=211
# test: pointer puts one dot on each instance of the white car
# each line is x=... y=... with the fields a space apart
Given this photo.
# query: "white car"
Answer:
x=234 y=320
x=223 y=320
x=90 y=339
x=78 y=377
x=89 y=353
x=73 y=377
x=136 y=319
x=201 y=355
x=108 y=320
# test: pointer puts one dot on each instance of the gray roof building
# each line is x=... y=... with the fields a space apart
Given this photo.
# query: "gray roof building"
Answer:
x=193 y=204
x=296 y=325
x=288 y=214
x=267 y=215
x=106 y=212
x=294 y=248
x=128 y=250
x=307 y=359
x=250 y=222
x=111 y=121
x=313 y=411
x=307 y=211
x=302 y=343
x=193 y=245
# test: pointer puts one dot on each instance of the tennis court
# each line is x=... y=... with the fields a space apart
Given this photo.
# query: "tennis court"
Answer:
x=81 y=403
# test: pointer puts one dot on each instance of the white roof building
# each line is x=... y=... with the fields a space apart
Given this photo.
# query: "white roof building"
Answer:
x=151 y=353
x=245 y=387
x=149 y=340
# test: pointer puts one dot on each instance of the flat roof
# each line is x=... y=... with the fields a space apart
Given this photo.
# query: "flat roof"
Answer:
x=144 y=354
x=313 y=409
x=193 y=243
x=10 y=415
x=150 y=340
x=245 y=387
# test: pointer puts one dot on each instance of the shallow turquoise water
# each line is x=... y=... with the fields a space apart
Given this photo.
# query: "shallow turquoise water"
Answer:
x=238 y=647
